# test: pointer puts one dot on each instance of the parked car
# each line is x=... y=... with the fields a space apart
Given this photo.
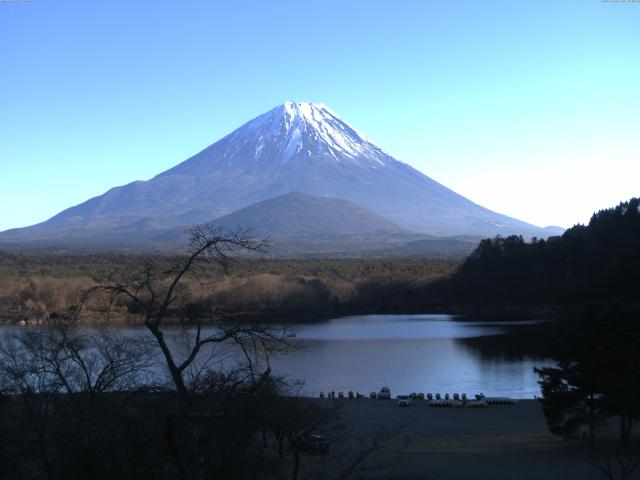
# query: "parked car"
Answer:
x=384 y=393
x=314 y=443
x=404 y=400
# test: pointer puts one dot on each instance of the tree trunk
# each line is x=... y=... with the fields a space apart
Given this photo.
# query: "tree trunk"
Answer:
x=296 y=464
x=174 y=371
x=592 y=420
x=45 y=458
x=169 y=435
x=178 y=381
x=624 y=434
x=280 y=441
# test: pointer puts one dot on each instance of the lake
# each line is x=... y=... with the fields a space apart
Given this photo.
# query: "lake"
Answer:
x=408 y=353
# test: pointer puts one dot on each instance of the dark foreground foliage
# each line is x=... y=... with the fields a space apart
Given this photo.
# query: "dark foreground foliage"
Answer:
x=79 y=405
x=597 y=376
x=588 y=266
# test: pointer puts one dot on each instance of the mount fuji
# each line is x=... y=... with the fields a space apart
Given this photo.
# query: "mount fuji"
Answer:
x=295 y=147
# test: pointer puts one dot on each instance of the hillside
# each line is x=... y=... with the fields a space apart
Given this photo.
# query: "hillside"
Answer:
x=298 y=216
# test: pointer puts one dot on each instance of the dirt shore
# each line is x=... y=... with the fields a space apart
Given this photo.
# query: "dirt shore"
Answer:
x=498 y=442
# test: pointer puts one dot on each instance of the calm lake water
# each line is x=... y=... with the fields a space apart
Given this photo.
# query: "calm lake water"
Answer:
x=408 y=353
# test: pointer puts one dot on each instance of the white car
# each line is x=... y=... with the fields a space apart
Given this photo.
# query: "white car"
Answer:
x=384 y=393
x=404 y=400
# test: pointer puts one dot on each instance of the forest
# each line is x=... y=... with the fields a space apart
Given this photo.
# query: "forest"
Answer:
x=589 y=266
x=34 y=287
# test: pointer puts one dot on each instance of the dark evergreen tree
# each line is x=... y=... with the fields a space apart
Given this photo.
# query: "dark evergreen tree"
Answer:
x=588 y=266
x=597 y=375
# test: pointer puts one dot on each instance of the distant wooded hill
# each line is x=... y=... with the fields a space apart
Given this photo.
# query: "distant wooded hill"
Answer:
x=296 y=215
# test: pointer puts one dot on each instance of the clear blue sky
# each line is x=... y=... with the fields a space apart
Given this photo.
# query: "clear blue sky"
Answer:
x=531 y=108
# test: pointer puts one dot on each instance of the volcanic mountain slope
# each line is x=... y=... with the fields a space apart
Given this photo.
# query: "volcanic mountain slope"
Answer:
x=296 y=147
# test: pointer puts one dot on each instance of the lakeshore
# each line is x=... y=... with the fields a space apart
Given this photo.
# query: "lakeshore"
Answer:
x=501 y=442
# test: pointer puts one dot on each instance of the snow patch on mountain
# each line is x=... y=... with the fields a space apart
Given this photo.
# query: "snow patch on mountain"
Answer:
x=294 y=127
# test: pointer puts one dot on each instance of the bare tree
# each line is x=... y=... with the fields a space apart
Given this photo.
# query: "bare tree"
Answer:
x=156 y=293
x=5 y=459
x=66 y=389
x=353 y=449
x=75 y=363
x=209 y=362
x=615 y=461
x=299 y=418
x=369 y=445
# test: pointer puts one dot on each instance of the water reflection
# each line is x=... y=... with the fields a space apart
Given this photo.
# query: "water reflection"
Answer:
x=427 y=353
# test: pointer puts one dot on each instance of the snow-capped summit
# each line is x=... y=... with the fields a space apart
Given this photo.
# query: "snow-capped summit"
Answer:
x=295 y=147
x=317 y=127
x=302 y=130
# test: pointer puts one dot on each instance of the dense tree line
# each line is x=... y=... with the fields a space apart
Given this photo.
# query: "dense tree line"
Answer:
x=102 y=265
x=594 y=265
x=35 y=287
